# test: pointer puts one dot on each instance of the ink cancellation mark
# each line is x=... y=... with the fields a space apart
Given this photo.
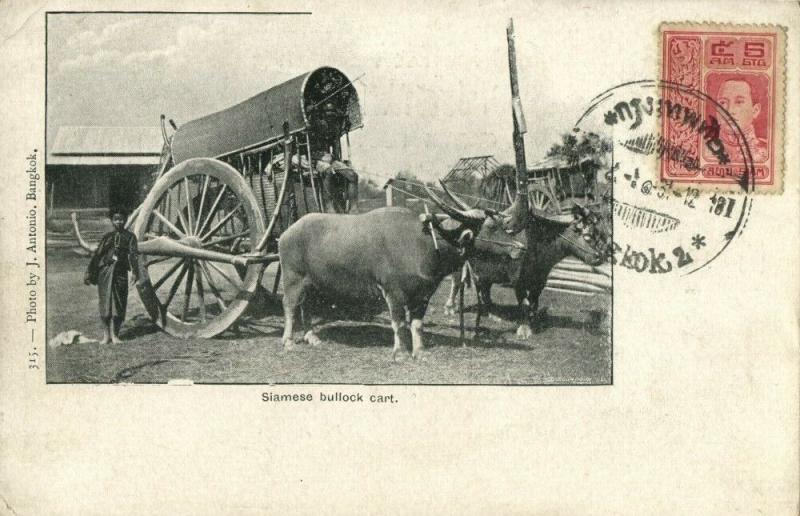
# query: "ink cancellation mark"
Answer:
x=665 y=227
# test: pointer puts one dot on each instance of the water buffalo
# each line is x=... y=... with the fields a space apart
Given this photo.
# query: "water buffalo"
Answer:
x=388 y=252
x=525 y=259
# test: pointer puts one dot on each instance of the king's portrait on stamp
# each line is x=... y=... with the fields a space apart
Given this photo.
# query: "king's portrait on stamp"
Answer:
x=744 y=102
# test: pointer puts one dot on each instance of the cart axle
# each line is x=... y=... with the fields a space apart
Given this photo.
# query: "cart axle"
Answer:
x=187 y=248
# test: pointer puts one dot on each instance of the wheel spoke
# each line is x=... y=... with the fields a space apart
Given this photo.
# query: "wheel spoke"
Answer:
x=188 y=292
x=186 y=228
x=224 y=239
x=169 y=224
x=212 y=286
x=540 y=200
x=221 y=223
x=199 y=278
x=158 y=260
x=169 y=273
x=227 y=278
x=202 y=202
x=189 y=207
x=159 y=229
x=175 y=286
x=213 y=210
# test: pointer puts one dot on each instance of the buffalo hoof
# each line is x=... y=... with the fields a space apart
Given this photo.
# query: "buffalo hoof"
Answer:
x=312 y=339
x=524 y=332
x=399 y=355
x=288 y=345
x=419 y=354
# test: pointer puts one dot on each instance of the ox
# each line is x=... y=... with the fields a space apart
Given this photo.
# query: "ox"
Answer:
x=388 y=252
x=525 y=259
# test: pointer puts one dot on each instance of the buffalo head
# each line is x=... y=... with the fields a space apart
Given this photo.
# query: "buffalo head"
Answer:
x=588 y=236
x=465 y=222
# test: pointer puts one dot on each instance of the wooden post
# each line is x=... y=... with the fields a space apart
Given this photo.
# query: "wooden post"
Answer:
x=291 y=199
x=317 y=195
x=279 y=203
x=520 y=215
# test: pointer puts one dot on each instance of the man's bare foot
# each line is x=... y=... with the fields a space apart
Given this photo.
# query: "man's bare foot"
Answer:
x=105 y=340
x=116 y=340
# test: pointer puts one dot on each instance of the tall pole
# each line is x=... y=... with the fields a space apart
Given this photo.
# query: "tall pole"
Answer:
x=519 y=215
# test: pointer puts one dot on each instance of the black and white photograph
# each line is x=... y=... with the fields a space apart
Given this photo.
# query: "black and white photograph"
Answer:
x=247 y=198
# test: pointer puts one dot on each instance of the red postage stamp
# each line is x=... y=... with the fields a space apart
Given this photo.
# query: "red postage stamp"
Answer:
x=739 y=69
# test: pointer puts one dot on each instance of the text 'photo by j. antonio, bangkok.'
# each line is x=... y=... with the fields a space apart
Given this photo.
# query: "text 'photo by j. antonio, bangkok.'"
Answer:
x=297 y=206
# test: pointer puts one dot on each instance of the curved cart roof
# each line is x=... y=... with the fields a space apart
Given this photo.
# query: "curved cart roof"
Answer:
x=259 y=120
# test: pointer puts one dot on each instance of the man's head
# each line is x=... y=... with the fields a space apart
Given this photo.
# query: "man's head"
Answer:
x=118 y=217
x=329 y=120
x=736 y=97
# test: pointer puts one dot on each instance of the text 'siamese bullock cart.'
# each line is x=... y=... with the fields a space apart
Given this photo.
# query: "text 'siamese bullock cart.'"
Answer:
x=209 y=226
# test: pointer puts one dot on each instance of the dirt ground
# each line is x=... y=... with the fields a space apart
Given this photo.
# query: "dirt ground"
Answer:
x=571 y=344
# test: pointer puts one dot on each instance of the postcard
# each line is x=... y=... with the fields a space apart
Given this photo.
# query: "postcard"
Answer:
x=482 y=257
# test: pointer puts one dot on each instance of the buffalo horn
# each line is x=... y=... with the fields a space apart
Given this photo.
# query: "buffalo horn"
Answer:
x=461 y=216
x=539 y=215
x=455 y=200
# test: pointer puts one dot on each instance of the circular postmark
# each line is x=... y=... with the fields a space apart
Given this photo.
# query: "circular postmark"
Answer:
x=665 y=226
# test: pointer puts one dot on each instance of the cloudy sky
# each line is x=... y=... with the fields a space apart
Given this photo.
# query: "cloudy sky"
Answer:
x=435 y=84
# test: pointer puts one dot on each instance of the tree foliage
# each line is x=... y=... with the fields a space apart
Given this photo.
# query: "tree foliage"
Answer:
x=573 y=149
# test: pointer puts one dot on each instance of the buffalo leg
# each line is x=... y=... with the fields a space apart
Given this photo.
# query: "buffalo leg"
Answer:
x=293 y=292
x=524 y=331
x=311 y=337
x=397 y=312
x=533 y=305
x=484 y=291
x=456 y=287
x=417 y=313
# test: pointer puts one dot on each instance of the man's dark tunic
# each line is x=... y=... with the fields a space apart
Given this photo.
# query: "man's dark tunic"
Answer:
x=115 y=256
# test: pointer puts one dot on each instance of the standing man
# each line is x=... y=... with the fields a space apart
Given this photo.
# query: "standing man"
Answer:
x=116 y=254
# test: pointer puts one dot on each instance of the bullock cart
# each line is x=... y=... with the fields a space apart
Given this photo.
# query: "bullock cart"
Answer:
x=555 y=186
x=228 y=185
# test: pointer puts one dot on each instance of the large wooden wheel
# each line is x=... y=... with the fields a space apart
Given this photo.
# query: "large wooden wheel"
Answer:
x=197 y=230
